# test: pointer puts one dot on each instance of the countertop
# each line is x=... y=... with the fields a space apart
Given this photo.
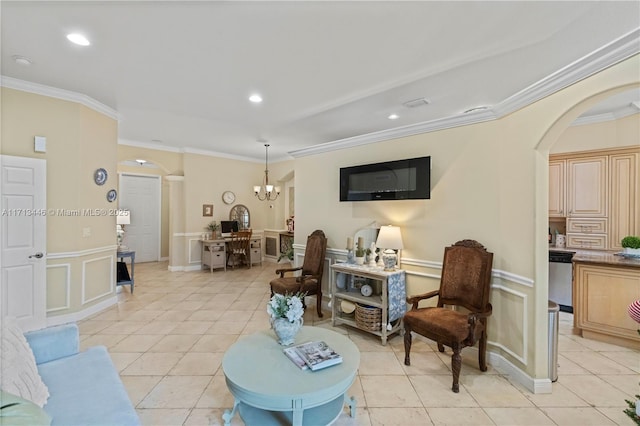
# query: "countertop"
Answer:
x=601 y=257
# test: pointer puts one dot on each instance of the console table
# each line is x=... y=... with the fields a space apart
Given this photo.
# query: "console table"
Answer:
x=122 y=273
x=388 y=295
x=269 y=389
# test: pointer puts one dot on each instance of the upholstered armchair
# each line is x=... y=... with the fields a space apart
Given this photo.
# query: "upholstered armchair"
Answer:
x=310 y=279
x=465 y=283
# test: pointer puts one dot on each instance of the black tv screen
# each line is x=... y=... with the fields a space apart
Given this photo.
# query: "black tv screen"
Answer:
x=408 y=179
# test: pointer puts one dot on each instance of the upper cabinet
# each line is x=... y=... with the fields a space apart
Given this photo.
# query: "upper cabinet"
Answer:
x=557 y=187
x=587 y=190
x=597 y=192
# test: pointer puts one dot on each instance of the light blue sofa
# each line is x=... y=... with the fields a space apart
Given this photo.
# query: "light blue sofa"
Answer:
x=84 y=387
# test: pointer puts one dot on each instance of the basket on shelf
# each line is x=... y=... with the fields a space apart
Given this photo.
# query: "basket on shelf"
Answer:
x=368 y=317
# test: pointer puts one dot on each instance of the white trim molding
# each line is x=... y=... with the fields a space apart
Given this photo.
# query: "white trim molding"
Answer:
x=67 y=266
x=525 y=325
x=80 y=315
x=88 y=252
x=84 y=279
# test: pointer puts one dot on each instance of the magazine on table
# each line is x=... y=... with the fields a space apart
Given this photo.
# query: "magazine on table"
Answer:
x=317 y=355
x=293 y=356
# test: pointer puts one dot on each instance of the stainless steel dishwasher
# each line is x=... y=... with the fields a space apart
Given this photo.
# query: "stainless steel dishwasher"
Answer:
x=560 y=279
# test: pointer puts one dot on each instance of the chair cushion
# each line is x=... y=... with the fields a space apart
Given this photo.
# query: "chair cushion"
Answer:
x=440 y=324
x=20 y=412
x=292 y=285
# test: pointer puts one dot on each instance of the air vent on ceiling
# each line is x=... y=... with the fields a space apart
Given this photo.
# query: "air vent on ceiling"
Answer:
x=416 y=103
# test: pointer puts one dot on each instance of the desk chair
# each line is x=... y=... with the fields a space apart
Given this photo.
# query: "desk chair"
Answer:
x=465 y=283
x=238 y=248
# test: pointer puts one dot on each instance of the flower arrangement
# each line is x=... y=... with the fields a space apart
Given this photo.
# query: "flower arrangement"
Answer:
x=287 y=306
x=212 y=226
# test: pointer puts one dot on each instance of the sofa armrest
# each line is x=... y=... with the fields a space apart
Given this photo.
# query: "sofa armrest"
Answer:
x=54 y=342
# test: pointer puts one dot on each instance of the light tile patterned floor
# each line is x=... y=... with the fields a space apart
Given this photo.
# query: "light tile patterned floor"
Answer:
x=168 y=338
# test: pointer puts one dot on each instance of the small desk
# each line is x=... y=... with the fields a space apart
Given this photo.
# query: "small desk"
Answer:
x=269 y=389
x=122 y=273
x=214 y=252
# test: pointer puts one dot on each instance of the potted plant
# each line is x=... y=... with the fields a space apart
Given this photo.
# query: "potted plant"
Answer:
x=285 y=312
x=287 y=254
x=212 y=227
x=631 y=245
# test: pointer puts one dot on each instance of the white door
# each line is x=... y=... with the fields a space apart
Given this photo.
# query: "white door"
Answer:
x=141 y=196
x=23 y=183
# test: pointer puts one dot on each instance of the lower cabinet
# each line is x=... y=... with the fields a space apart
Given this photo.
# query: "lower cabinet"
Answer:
x=368 y=298
x=602 y=295
x=214 y=254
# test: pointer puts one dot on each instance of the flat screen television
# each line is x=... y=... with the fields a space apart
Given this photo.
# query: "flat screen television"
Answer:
x=408 y=179
x=227 y=227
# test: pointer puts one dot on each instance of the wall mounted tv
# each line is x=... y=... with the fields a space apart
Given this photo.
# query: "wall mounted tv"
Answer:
x=408 y=179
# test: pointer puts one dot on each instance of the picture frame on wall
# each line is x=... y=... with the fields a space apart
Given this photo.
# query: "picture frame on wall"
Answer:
x=207 y=210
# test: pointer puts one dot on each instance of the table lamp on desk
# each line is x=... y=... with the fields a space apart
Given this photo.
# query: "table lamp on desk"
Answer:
x=123 y=218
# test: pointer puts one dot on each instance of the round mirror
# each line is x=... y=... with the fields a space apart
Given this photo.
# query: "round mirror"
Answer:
x=240 y=213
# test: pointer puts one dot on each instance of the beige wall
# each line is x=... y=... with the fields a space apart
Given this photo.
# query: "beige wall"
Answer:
x=608 y=134
x=489 y=183
x=80 y=246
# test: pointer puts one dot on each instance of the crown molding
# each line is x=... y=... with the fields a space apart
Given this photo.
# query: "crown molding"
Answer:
x=609 y=116
x=148 y=145
x=53 y=92
x=592 y=63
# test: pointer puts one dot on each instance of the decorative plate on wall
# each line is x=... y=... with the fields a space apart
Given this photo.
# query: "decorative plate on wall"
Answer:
x=112 y=195
x=100 y=176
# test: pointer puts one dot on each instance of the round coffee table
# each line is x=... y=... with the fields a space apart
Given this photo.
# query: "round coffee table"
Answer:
x=269 y=389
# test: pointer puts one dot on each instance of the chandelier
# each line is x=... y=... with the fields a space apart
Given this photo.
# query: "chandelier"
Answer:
x=266 y=191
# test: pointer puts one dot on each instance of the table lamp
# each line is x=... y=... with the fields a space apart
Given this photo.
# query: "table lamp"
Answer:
x=390 y=239
x=123 y=218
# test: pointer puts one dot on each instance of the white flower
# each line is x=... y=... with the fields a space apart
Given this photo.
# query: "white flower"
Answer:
x=287 y=306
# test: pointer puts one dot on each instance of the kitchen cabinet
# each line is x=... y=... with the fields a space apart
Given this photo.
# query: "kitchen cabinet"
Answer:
x=624 y=208
x=602 y=293
x=596 y=191
x=587 y=187
x=388 y=294
x=557 y=187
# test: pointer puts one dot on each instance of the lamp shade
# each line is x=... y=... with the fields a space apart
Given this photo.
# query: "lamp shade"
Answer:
x=389 y=237
x=123 y=218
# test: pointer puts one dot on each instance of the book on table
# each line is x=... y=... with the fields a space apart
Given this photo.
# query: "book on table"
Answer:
x=293 y=356
x=317 y=355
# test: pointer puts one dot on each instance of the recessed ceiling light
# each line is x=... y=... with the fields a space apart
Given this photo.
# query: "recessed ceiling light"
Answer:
x=78 y=39
x=393 y=117
x=21 y=60
x=255 y=98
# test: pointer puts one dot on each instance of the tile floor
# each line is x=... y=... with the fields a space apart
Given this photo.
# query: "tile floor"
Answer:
x=168 y=339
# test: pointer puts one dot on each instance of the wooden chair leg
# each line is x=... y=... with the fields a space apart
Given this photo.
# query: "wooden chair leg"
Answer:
x=440 y=347
x=482 y=351
x=319 y=303
x=456 y=363
x=407 y=344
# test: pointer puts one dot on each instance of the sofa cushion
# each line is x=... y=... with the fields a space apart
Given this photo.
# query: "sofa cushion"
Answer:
x=86 y=390
x=15 y=411
x=18 y=371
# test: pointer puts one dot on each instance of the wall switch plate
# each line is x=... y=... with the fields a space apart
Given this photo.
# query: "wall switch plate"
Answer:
x=40 y=144
x=86 y=232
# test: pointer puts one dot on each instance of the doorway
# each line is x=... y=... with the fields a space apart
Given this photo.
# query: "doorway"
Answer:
x=141 y=196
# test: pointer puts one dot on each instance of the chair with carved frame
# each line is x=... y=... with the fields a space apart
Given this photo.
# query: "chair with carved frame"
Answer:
x=238 y=248
x=310 y=279
x=465 y=283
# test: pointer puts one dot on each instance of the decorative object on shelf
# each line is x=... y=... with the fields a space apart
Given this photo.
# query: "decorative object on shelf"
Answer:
x=100 y=176
x=228 y=197
x=390 y=238
x=561 y=241
x=371 y=255
x=207 y=210
x=123 y=218
x=368 y=317
x=366 y=290
x=360 y=252
x=290 y=224
x=350 y=258
x=631 y=245
x=347 y=307
x=112 y=195
x=266 y=191
x=286 y=316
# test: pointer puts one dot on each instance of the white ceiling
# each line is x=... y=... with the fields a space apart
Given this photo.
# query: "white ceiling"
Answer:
x=181 y=72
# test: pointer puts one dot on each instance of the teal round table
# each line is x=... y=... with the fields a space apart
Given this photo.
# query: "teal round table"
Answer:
x=269 y=389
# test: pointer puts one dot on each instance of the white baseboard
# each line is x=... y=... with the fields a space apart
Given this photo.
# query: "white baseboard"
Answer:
x=164 y=259
x=505 y=366
x=184 y=268
x=80 y=315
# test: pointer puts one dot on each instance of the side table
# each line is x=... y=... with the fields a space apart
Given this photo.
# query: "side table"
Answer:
x=122 y=273
x=269 y=389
